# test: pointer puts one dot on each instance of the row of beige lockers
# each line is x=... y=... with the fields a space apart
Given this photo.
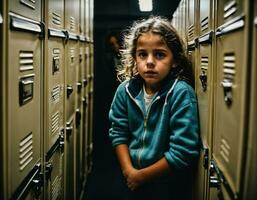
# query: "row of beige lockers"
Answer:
x=221 y=41
x=46 y=76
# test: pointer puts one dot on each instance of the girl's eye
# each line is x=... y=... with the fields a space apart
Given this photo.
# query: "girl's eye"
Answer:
x=142 y=54
x=160 y=55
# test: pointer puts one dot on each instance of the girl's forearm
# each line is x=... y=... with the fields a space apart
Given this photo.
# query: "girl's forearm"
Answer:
x=158 y=169
x=123 y=156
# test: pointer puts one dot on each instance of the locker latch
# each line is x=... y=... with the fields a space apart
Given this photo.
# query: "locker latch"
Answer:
x=61 y=139
x=69 y=90
x=206 y=158
x=227 y=88
x=68 y=131
x=215 y=175
x=78 y=117
x=203 y=79
x=48 y=170
x=79 y=86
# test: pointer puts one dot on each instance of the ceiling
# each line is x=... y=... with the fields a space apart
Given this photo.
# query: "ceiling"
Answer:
x=129 y=9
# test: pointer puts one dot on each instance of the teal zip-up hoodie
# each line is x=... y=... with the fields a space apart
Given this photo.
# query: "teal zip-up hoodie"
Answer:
x=169 y=129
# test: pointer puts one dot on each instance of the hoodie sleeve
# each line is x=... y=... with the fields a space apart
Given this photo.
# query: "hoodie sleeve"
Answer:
x=184 y=141
x=118 y=117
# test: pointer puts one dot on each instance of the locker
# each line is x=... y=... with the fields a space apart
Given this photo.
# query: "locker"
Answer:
x=206 y=18
x=203 y=91
x=87 y=19
x=229 y=104
x=54 y=170
x=230 y=9
x=82 y=17
x=72 y=12
x=191 y=29
x=204 y=88
x=69 y=159
x=24 y=97
x=26 y=8
x=71 y=67
x=78 y=150
x=251 y=159
x=54 y=93
x=55 y=14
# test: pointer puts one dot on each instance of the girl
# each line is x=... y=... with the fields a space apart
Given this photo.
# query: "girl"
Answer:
x=154 y=117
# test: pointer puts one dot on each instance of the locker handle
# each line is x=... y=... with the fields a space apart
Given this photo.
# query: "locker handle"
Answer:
x=78 y=117
x=203 y=79
x=215 y=178
x=69 y=131
x=24 y=24
x=227 y=88
x=56 y=33
x=79 y=86
x=69 y=90
x=48 y=170
x=85 y=82
x=61 y=139
x=1 y=19
x=230 y=26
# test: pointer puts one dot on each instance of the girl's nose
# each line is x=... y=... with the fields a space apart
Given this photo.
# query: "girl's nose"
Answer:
x=150 y=61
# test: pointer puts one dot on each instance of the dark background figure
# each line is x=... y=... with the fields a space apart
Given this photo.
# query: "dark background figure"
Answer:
x=102 y=179
x=112 y=55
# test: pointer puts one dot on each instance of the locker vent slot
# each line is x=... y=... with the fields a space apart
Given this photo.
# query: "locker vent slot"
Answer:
x=72 y=23
x=56 y=94
x=55 y=122
x=229 y=67
x=25 y=151
x=230 y=9
x=191 y=31
x=204 y=23
x=29 y=3
x=225 y=149
x=56 y=188
x=56 y=18
x=26 y=60
x=204 y=63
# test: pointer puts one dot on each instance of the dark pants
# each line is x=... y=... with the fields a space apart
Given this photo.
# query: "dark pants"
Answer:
x=177 y=187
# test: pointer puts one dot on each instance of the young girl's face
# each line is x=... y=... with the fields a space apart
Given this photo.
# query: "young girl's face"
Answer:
x=154 y=60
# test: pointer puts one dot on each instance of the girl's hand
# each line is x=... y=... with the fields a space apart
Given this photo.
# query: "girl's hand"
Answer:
x=134 y=178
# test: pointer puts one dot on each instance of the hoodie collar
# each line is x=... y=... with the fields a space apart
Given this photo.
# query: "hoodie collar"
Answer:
x=136 y=84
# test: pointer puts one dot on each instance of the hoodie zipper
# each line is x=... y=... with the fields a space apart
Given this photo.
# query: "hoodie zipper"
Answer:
x=140 y=151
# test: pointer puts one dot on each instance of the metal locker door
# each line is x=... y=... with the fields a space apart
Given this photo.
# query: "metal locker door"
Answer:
x=250 y=174
x=69 y=160
x=78 y=151
x=54 y=170
x=191 y=29
x=230 y=104
x=72 y=16
x=54 y=88
x=204 y=88
x=71 y=68
x=26 y=8
x=229 y=10
x=56 y=14
x=206 y=22
x=24 y=99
